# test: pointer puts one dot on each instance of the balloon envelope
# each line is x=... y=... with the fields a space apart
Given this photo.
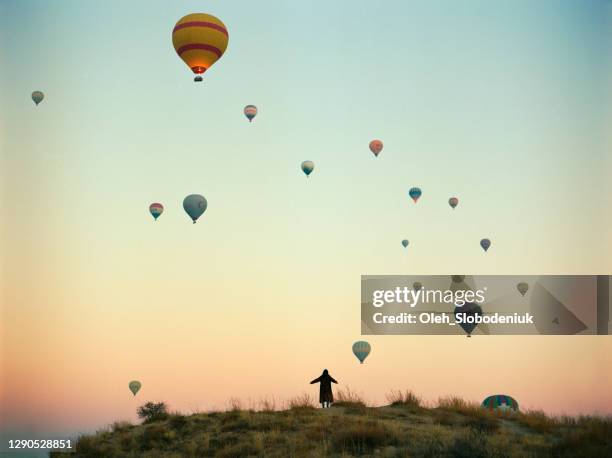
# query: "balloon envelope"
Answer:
x=485 y=244
x=500 y=402
x=522 y=288
x=307 y=167
x=195 y=205
x=200 y=40
x=376 y=147
x=415 y=193
x=417 y=285
x=405 y=243
x=250 y=111
x=38 y=97
x=156 y=209
x=134 y=386
x=468 y=310
x=361 y=350
x=453 y=202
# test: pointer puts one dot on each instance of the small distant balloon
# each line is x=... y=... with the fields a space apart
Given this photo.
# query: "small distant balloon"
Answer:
x=376 y=147
x=250 y=111
x=415 y=194
x=485 y=244
x=134 y=386
x=361 y=350
x=405 y=243
x=522 y=288
x=38 y=97
x=195 y=205
x=156 y=209
x=469 y=311
x=453 y=202
x=417 y=285
x=307 y=167
x=457 y=278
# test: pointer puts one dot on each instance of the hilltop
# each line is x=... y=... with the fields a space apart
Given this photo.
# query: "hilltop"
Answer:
x=454 y=428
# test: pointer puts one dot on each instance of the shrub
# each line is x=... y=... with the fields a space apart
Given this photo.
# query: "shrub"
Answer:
x=153 y=411
x=406 y=398
x=303 y=401
x=346 y=395
x=177 y=421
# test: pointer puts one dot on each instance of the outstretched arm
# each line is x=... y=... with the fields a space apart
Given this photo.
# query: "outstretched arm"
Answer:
x=333 y=380
x=318 y=379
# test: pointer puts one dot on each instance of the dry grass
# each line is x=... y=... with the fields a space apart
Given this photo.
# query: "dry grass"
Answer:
x=455 y=428
x=303 y=401
x=404 y=398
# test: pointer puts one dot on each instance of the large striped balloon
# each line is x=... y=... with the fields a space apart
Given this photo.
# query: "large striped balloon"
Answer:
x=250 y=111
x=200 y=40
x=361 y=349
x=501 y=402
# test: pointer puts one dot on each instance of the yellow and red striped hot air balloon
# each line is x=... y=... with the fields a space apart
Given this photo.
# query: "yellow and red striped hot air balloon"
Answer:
x=200 y=40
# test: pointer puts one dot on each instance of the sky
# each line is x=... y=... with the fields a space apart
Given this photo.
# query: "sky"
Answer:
x=505 y=105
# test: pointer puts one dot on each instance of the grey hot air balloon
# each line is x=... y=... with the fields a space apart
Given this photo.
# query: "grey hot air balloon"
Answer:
x=38 y=97
x=405 y=243
x=485 y=244
x=417 y=285
x=307 y=167
x=522 y=288
x=134 y=386
x=195 y=205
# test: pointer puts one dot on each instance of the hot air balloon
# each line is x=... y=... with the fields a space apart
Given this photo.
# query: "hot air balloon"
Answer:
x=469 y=311
x=38 y=97
x=522 y=288
x=376 y=147
x=156 y=209
x=415 y=194
x=361 y=350
x=500 y=402
x=195 y=205
x=200 y=40
x=453 y=201
x=485 y=244
x=405 y=243
x=307 y=167
x=417 y=285
x=134 y=386
x=250 y=111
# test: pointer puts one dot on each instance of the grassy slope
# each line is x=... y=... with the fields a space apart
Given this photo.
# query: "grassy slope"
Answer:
x=404 y=429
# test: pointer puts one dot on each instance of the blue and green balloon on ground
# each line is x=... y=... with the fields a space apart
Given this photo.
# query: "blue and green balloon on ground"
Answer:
x=195 y=205
x=500 y=402
x=361 y=349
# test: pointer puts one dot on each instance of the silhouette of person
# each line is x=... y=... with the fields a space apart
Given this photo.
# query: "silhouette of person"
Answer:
x=325 y=389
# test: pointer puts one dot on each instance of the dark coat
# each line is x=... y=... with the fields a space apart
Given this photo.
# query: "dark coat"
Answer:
x=325 y=389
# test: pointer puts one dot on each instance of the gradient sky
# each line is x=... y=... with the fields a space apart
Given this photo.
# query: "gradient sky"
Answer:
x=503 y=104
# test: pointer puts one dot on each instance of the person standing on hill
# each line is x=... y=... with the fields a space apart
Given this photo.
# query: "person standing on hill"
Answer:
x=325 y=389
